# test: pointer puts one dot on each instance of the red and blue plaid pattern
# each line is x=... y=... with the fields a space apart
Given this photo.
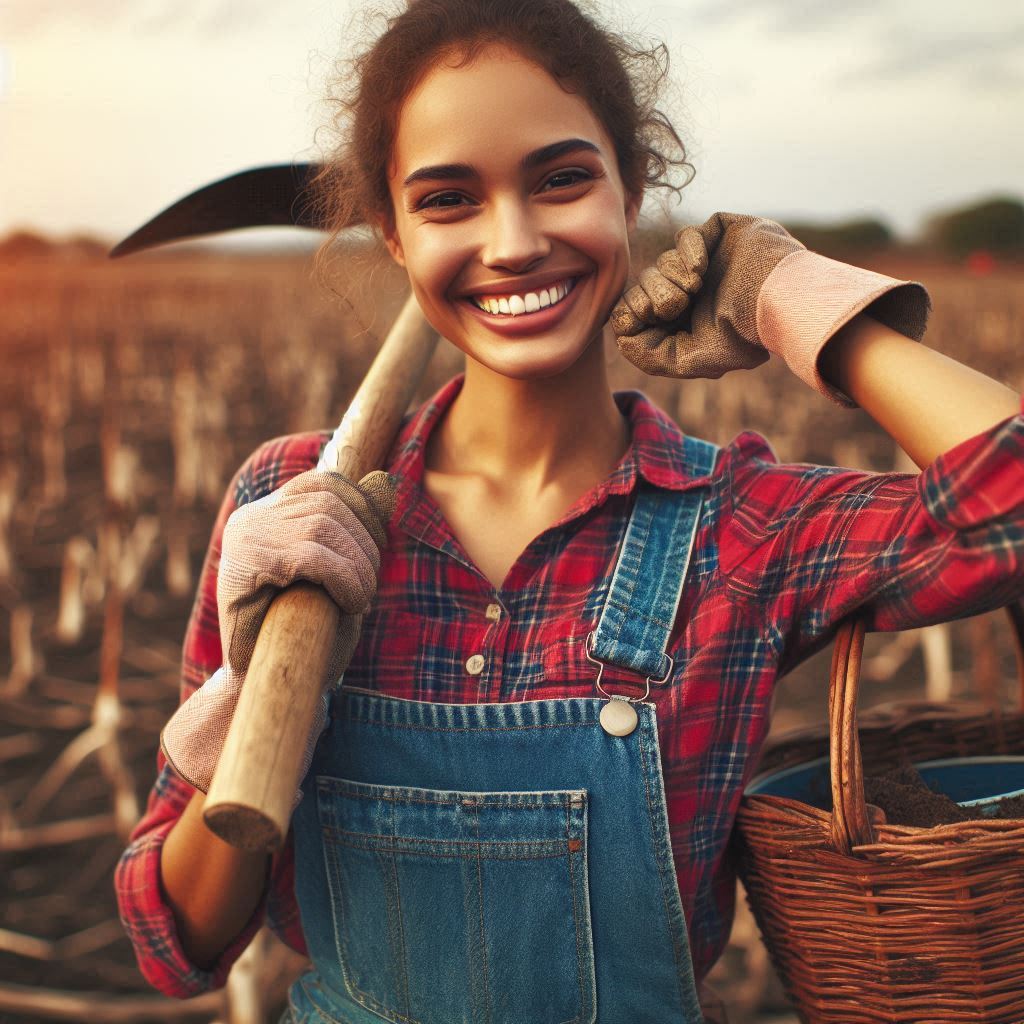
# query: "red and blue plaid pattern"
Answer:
x=783 y=554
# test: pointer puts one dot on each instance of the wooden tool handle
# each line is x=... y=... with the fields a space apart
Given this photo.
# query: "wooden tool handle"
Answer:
x=253 y=788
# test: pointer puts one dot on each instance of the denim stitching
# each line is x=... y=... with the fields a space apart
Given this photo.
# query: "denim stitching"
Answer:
x=483 y=932
x=344 y=957
x=483 y=728
x=575 y=916
x=522 y=800
x=337 y=917
x=654 y=841
x=376 y=1006
x=318 y=1010
x=366 y=1000
x=677 y=950
x=403 y=959
x=401 y=844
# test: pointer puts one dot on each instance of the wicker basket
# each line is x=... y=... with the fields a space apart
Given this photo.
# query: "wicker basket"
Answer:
x=871 y=923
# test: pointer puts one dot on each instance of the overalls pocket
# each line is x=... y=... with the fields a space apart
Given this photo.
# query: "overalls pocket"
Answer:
x=460 y=906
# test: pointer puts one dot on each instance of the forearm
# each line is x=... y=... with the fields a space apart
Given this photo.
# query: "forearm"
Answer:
x=927 y=402
x=212 y=887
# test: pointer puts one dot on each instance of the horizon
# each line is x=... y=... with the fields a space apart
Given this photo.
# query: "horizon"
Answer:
x=282 y=239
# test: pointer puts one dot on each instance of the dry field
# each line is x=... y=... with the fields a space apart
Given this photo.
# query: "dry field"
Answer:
x=128 y=395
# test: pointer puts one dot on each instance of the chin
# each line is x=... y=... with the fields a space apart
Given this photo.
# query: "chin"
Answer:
x=526 y=360
x=532 y=372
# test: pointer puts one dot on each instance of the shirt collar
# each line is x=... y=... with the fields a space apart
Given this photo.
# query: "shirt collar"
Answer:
x=655 y=454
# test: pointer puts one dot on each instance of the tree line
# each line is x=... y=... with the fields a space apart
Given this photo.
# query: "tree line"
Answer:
x=994 y=225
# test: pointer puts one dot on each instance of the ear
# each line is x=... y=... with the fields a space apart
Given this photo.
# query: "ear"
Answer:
x=634 y=200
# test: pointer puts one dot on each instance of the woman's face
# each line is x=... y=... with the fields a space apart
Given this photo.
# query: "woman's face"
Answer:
x=510 y=214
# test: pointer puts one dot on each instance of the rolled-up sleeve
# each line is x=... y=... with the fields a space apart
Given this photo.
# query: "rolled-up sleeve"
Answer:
x=145 y=913
x=980 y=482
x=815 y=544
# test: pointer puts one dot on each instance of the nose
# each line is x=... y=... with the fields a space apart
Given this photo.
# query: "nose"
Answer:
x=514 y=240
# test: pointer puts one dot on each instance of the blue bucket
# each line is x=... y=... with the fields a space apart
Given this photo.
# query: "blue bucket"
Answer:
x=978 y=782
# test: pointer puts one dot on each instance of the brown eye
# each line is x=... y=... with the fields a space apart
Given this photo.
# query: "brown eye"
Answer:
x=441 y=201
x=565 y=179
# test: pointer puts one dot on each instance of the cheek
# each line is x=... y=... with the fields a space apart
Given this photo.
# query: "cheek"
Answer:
x=434 y=258
x=604 y=235
x=601 y=231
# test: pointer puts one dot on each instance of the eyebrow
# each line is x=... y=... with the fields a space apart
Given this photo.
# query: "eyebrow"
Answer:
x=461 y=172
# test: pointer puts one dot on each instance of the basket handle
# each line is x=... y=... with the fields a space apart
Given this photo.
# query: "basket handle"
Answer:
x=851 y=822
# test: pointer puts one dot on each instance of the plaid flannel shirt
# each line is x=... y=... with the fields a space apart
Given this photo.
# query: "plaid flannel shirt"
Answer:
x=783 y=554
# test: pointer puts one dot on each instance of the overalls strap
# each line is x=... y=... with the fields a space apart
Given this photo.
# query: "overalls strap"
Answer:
x=643 y=596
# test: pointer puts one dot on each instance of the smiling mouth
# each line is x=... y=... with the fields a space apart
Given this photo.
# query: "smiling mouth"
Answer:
x=525 y=302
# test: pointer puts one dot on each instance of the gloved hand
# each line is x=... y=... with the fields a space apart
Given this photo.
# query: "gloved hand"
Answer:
x=319 y=527
x=736 y=288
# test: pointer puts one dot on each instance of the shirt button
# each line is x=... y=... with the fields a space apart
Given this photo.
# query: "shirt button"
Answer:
x=475 y=665
x=493 y=612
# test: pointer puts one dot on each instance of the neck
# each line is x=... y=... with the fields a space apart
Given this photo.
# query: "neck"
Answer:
x=533 y=432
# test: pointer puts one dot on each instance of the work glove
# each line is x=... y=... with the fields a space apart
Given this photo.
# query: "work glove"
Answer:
x=319 y=527
x=737 y=288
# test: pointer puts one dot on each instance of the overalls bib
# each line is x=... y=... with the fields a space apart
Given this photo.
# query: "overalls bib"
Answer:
x=505 y=863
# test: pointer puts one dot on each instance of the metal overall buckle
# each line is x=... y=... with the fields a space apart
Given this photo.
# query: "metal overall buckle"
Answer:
x=618 y=716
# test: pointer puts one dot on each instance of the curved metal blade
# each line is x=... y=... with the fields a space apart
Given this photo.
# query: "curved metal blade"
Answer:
x=261 y=196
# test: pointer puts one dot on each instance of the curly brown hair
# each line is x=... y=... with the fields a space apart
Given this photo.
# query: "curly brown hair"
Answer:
x=620 y=82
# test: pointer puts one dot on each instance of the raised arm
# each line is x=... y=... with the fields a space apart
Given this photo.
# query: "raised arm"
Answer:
x=806 y=545
x=927 y=402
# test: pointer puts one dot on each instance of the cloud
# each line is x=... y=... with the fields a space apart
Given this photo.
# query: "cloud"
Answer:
x=981 y=50
x=1003 y=77
x=961 y=52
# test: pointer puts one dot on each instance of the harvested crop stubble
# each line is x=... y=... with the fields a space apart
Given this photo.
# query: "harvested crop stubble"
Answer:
x=232 y=339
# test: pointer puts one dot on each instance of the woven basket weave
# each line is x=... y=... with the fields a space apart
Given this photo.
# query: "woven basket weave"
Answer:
x=871 y=923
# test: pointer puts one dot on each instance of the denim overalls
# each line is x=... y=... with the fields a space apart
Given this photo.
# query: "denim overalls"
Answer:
x=506 y=863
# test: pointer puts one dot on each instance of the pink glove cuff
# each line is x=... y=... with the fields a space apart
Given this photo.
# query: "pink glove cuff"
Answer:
x=192 y=739
x=808 y=297
x=194 y=736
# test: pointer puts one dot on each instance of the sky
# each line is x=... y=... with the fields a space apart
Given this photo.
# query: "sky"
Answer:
x=791 y=109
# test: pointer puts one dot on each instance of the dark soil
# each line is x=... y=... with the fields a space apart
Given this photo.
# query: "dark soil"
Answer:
x=907 y=799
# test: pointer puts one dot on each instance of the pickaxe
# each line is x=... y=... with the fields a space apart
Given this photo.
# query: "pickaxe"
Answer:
x=250 y=798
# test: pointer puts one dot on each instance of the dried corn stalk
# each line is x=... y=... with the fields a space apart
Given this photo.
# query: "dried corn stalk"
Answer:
x=26 y=661
x=54 y=399
x=79 y=562
x=122 y=563
x=8 y=498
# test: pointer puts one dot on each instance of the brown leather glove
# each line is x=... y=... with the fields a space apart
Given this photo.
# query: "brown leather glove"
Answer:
x=738 y=287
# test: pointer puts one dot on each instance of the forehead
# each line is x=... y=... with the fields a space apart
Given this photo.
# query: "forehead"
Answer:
x=489 y=113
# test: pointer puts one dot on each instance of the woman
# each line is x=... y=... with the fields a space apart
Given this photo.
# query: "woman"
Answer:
x=574 y=617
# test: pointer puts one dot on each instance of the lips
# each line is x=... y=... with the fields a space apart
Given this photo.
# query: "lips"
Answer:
x=519 y=303
x=546 y=318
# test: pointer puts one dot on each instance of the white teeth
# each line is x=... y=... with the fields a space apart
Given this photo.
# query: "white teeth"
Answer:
x=530 y=302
